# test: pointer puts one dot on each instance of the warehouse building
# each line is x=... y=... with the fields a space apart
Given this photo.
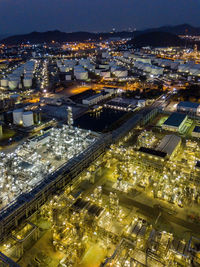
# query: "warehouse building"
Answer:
x=169 y=144
x=175 y=122
x=151 y=157
x=189 y=107
x=94 y=99
x=122 y=104
x=165 y=150
x=196 y=132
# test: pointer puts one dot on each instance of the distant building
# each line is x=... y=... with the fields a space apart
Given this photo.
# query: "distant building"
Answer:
x=189 y=107
x=125 y=104
x=94 y=99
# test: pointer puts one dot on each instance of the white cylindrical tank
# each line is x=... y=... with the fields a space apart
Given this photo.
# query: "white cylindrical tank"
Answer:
x=17 y=116
x=104 y=66
x=121 y=73
x=114 y=68
x=98 y=71
x=27 y=118
x=105 y=55
x=68 y=77
x=66 y=69
x=1 y=131
x=105 y=74
x=13 y=84
x=28 y=73
x=62 y=68
x=81 y=75
x=141 y=103
x=27 y=82
x=78 y=68
x=4 y=82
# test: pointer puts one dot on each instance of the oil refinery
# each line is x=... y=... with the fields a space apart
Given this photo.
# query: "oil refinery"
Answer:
x=99 y=155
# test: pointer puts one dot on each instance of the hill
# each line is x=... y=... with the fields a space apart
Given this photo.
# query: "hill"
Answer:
x=177 y=30
x=58 y=36
x=156 y=39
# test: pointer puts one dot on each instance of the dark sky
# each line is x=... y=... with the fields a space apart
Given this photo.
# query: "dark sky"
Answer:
x=23 y=16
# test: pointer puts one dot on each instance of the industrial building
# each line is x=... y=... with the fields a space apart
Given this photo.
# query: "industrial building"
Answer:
x=169 y=144
x=40 y=156
x=175 y=122
x=166 y=149
x=189 y=108
x=196 y=132
x=151 y=157
x=94 y=99
x=122 y=104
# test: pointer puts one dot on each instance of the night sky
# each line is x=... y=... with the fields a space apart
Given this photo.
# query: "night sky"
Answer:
x=23 y=16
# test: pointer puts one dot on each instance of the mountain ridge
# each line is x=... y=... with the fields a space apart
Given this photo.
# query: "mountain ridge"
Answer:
x=156 y=39
x=61 y=37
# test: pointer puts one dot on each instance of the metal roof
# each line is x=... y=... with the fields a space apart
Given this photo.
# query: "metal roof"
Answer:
x=175 y=119
x=152 y=152
x=197 y=129
x=169 y=143
x=187 y=104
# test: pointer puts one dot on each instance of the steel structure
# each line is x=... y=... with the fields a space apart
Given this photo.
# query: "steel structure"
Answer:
x=28 y=203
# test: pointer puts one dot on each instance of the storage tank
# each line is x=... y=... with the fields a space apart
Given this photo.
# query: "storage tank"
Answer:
x=4 y=82
x=105 y=74
x=70 y=62
x=66 y=68
x=98 y=71
x=28 y=73
x=90 y=67
x=104 y=66
x=36 y=117
x=27 y=118
x=147 y=68
x=105 y=54
x=1 y=131
x=8 y=117
x=15 y=97
x=121 y=73
x=27 y=82
x=62 y=68
x=78 y=68
x=68 y=77
x=17 y=116
x=81 y=75
x=13 y=84
x=114 y=68
x=141 y=103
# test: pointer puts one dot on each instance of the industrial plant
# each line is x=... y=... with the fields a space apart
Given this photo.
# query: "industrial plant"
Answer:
x=99 y=155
